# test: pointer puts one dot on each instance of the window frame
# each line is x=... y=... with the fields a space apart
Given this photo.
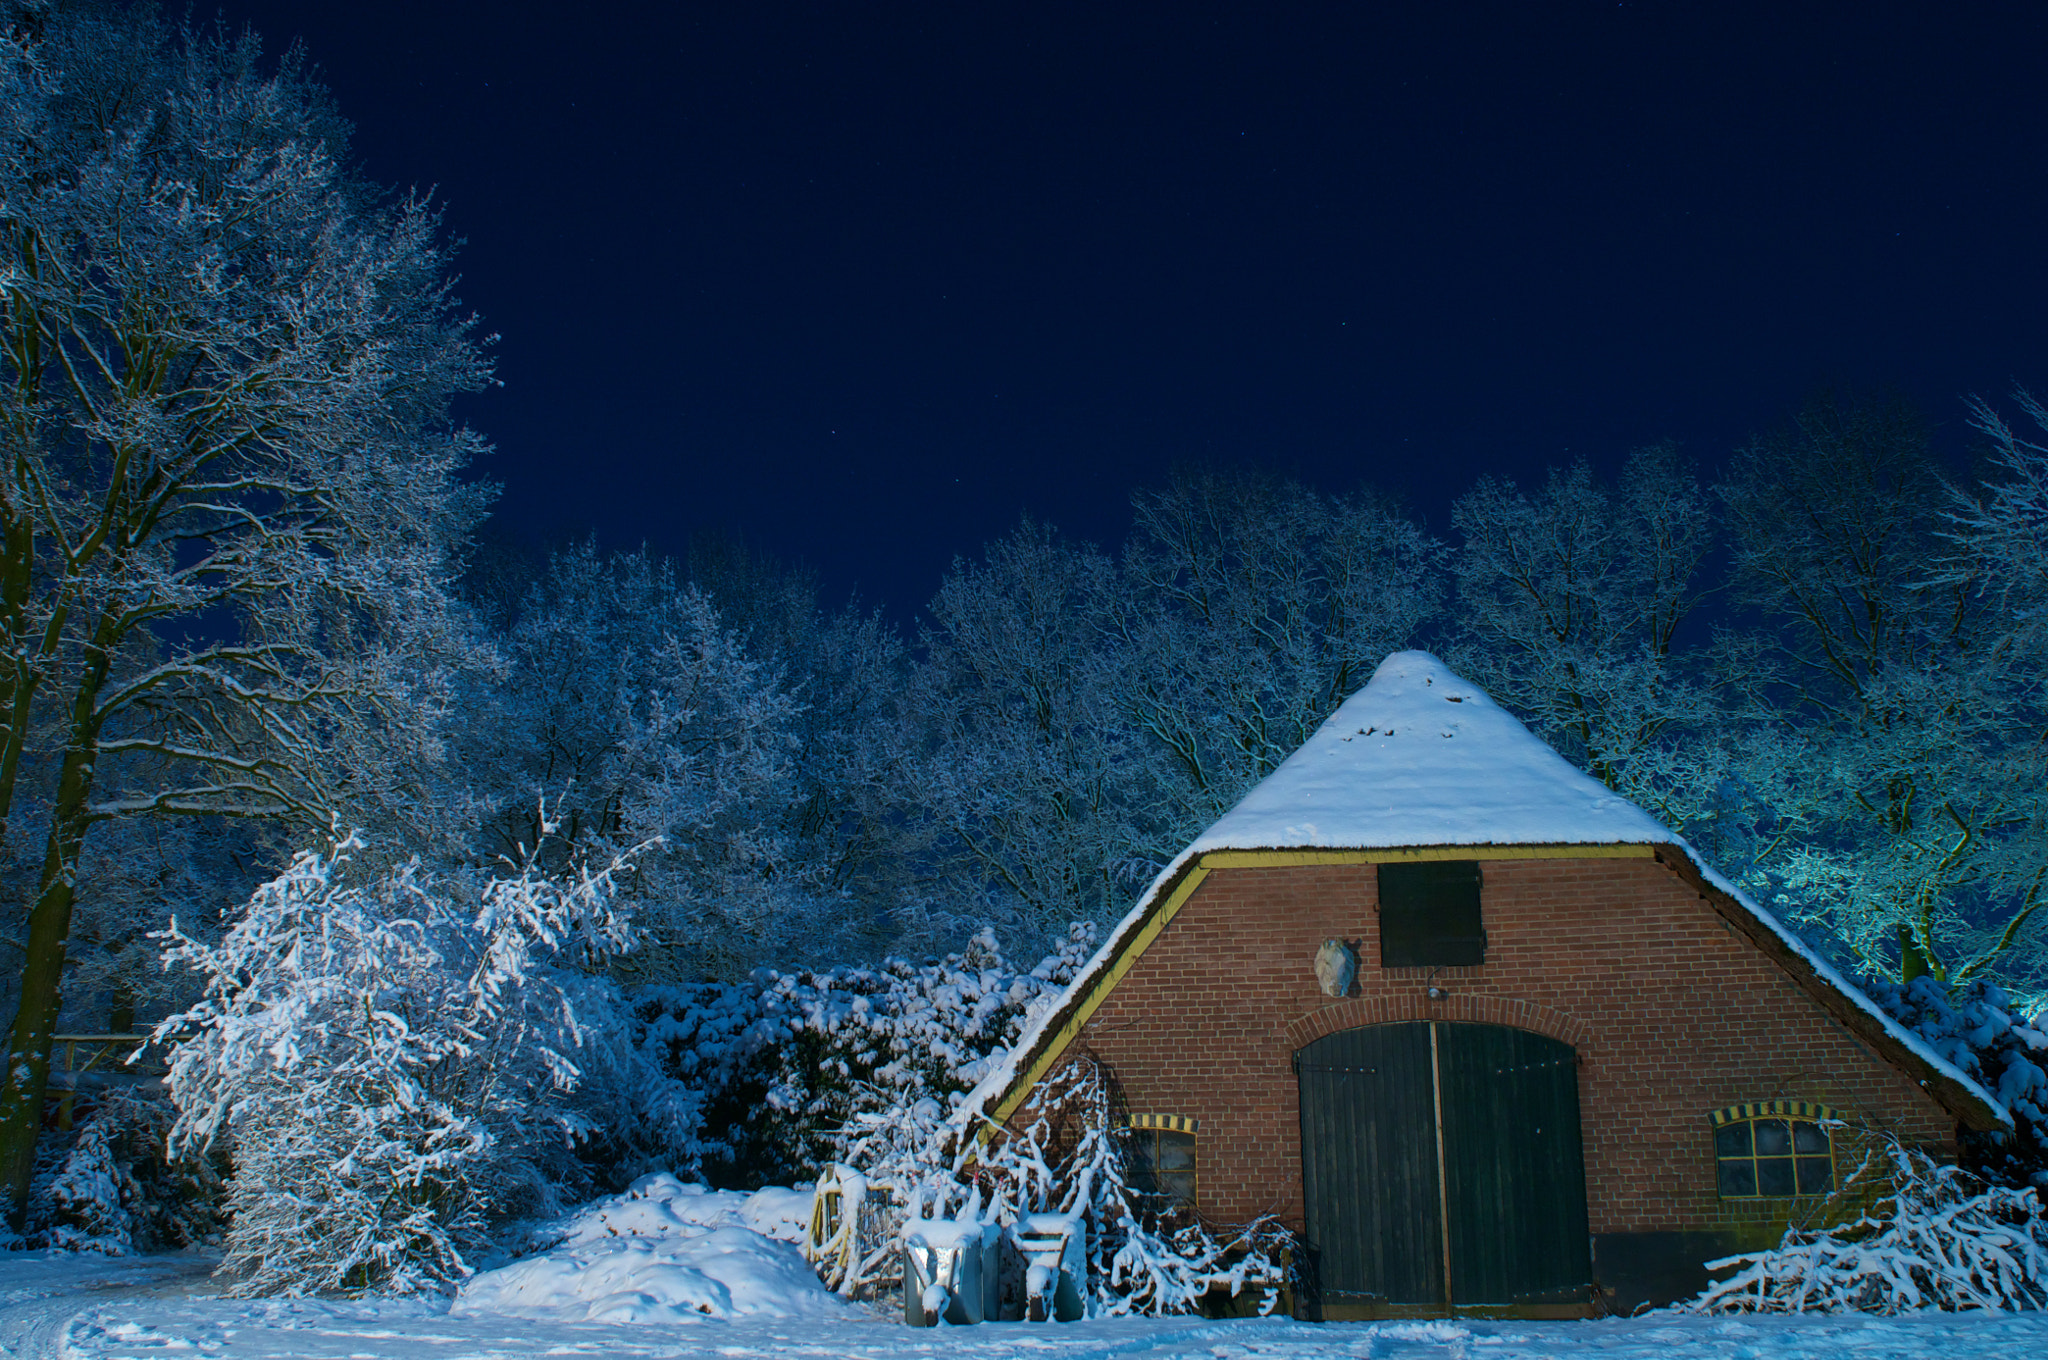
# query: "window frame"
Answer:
x=1151 y=1127
x=1791 y=1113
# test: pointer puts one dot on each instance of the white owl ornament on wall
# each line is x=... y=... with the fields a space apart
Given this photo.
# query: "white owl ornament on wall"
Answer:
x=1336 y=966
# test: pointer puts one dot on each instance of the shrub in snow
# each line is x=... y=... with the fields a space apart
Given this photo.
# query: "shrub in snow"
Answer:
x=82 y=1204
x=1063 y=1155
x=390 y=1064
x=787 y=1063
x=115 y=1189
x=1936 y=1237
x=1978 y=1030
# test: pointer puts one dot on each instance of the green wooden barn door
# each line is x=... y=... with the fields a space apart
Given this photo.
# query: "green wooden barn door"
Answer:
x=1514 y=1168
x=1501 y=1106
x=1369 y=1168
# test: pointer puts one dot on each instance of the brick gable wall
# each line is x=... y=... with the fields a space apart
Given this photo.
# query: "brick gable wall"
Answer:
x=1673 y=1014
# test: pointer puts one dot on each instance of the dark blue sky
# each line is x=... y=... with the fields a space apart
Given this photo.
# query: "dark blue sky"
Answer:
x=863 y=282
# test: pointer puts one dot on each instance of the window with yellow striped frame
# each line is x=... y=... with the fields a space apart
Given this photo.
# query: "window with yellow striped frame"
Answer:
x=1773 y=1149
x=1162 y=1158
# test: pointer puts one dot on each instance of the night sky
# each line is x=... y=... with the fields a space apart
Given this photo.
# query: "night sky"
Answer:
x=863 y=282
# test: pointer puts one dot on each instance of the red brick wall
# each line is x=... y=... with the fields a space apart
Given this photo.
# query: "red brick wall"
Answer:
x=1672 y=1013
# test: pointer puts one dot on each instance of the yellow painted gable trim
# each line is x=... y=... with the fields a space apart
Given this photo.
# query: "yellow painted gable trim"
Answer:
x=1289 y=859
x=1099 y=993
x=1134 y=949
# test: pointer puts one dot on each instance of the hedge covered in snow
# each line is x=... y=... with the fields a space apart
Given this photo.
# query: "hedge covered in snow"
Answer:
x=862 y=1070
x=1978 y=1030
x=783 y=1065
x=390 y=1067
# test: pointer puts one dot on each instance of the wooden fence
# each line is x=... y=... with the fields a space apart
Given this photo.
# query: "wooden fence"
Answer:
x=77 y=1059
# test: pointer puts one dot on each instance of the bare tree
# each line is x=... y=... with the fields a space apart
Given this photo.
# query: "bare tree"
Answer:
x=1027 y=773
x=1900 y=762
x=229 y=481
x=1570 y=607
x=1084 y=717
x=1254 y=607
x=2001 y=529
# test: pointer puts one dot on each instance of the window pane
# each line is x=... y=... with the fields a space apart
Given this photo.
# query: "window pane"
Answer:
x=1816 y=1175
x=1738 y=1179
x=1178 y=1185
x=1774 y=1174
x=1144 y=1150
x=1732 y=1140
x=1773 y=1138
x=1176 y=1151
x=1809 y=1139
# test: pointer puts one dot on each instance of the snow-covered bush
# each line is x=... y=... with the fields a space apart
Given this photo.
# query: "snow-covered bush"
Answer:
x=785 y=1063
x=1935 y=1237
x=1062 y=1153
x=391 y=1064
x=115 y=1189
x=1978 y=1030
x=864 y=1070
x=87 y=1201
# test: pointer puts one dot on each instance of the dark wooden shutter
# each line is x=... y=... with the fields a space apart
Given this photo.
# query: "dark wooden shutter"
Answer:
x=1429 y=915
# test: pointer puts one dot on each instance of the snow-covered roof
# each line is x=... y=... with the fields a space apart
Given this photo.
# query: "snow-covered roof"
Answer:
x=1422 y=758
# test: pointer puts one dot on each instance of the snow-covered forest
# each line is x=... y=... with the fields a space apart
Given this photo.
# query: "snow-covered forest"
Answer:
x=505 y=874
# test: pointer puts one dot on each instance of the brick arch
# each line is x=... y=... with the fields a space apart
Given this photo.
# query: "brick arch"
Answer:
x=1357 y=1012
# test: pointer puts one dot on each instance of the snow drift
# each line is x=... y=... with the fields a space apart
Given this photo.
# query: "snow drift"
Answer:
x=664 y=1252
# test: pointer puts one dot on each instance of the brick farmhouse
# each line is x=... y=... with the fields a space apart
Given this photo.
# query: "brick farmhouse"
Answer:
x=1491 y=1038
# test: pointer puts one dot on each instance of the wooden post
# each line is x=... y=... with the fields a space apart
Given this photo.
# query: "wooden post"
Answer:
x=70 y=1096
x=102 y=1045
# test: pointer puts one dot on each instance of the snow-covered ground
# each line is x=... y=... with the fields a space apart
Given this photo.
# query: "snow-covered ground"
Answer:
x=670 y=1269
x=665 y=1251
x=55 y=1305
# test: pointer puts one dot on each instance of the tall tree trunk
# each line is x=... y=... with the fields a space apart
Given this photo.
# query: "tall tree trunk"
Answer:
x=19 y=673
x=1913 y=961
x=27 y=1079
